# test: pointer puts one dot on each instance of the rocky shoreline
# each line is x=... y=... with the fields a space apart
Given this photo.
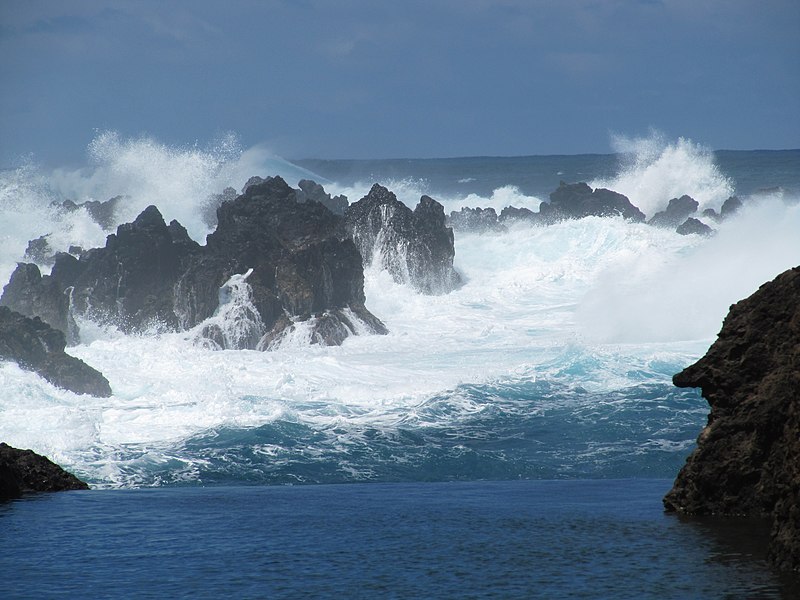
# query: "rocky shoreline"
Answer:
x=747 y=460
x=24 y=471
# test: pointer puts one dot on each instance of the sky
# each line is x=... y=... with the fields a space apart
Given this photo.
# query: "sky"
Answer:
x=394 y=79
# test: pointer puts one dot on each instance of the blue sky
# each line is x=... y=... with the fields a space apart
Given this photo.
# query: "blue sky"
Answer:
x=366 y=78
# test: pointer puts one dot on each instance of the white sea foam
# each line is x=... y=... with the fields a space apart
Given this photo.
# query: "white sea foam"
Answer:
x=657 y=170
x=596 y=304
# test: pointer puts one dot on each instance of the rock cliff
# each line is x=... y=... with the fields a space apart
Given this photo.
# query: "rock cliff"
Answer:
x=747 y=460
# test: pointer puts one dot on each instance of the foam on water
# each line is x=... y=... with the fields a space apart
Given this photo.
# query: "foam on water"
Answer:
x=553 y=359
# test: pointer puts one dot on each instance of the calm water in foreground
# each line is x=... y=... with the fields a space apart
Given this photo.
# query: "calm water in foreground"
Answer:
x=522 y=539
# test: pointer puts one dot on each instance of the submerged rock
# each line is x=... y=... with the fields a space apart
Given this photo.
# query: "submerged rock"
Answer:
x=578 y=200
x=747 y=460
x=415 y=247
x=24 y=471
x=35 y=346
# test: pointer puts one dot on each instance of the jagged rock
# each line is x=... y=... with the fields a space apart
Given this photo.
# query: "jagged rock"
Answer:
x=311 y=190
x=35 y=346
x=693 y=226
x=747 y=460
x=512 y=213
x=478 y=220
x=414 y=247
x=578 y=200
x=710 y=213
x=39 y=251
x=208 y=210
x=24 y=471
x=677 y=211
x=303 y=268
x=103 y=213
x=730 y=207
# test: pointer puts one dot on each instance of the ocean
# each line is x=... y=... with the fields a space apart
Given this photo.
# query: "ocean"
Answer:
x=512 y=438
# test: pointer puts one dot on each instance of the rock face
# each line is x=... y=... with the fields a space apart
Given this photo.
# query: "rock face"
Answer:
x=478 y=220
x=24 y=471
x=35 y=346
x=414 y=247
x=677 y=211
x=747 y=460
x=303 y=267
x=578 y=200
x=311 y=190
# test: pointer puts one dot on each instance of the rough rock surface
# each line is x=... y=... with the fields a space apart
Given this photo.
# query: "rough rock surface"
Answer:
x=677 y=211
x=150 y=274
x=311 y=190
x=578 y=200
x=35 y=346
x=512 y=213
x=415 y=247
x=24 y=471
x=478 y=220
x=692 y=226
x=747 y=460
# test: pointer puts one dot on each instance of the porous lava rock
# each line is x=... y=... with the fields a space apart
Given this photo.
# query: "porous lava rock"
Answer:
x=35 y=346
x=747 y=459
x=415 y=247
x=24 y=471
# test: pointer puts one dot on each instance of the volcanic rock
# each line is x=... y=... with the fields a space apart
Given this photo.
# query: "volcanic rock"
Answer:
x=24 y=471
x=416 y=247
x=311 y=190
x=35 y=346
x=301 y=268
x=512 y=213
x=693 y=226
x=578 y=200
x=677 y=211
x=747 y=460
x=479 y=220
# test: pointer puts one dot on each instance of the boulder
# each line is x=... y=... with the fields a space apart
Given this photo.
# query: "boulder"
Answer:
x=578 y=200
x=24 y=471
x=677 y=211
x=35 y=346
x=692 y=226
x=415 y=247
x=747 y=459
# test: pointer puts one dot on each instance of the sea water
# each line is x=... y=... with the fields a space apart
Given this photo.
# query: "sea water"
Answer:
x=553 y=362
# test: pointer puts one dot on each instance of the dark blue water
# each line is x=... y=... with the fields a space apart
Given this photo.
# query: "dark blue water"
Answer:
x=523 y=539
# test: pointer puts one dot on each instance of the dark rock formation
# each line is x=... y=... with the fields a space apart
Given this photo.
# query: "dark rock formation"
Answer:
x=677 y=211
x=303 y=269
x=730 y=207
x=24 y=471
x=512 y=213
x=747 y=460
x=479 y=220
x=102 y=213
x=311 y=190
x=208 y=210
x=415 y=247
x=693 y=226
x=578 y=200
x=39 y=251
x=35 y=346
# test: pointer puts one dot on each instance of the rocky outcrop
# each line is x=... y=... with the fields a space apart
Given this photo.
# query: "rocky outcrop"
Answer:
x=311 y=190
x=24 y=471
x=102 y=213
x=303 y=269
x=692 y=226
x=677 y=211
x=578 y=200
x=512 y=214
x=35 y=346
x=415 y=247
x=747 y=460
x=477 y=220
